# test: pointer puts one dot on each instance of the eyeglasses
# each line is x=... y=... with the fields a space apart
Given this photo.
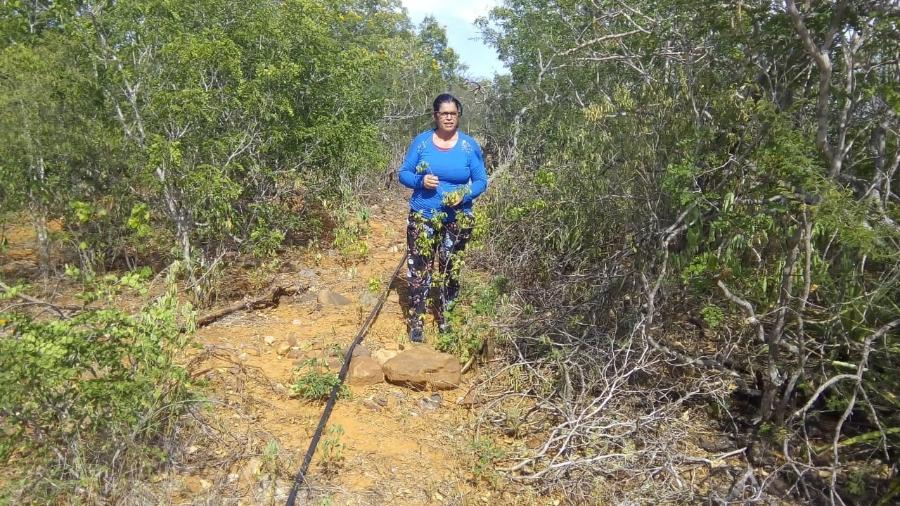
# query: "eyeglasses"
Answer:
x=448 y=114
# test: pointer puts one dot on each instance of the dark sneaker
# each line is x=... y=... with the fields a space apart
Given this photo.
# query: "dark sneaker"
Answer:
x=416 y=335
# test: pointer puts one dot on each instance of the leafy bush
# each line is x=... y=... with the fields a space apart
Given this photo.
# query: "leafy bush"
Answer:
x=314 y=382
x=470 y=319
x=87 y=400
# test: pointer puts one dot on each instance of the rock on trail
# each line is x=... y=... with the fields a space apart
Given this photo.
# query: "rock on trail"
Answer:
x=422 y=367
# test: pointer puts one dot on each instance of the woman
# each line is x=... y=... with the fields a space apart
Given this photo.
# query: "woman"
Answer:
x=445 y=169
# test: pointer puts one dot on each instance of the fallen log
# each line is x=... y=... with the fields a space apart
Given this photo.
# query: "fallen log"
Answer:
x=266 y=301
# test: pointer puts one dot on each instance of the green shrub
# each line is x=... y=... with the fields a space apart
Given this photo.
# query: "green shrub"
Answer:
x=314 y=382
x=470 y=319
x=87 y=400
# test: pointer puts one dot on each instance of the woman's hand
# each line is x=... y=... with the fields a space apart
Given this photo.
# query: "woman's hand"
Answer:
x=430 y=182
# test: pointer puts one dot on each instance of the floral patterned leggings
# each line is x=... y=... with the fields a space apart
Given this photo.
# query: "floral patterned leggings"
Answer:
x=424 y=236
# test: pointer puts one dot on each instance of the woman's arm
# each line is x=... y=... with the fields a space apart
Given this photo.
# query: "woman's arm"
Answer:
x=407 y=175
x=479 y=174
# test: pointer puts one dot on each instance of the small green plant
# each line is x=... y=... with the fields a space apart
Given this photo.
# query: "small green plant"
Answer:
x=270 y=458
x=487 y=454
x=314 y=382
x=333 y=448
x=352 y=228
x=261 y=275
x=712 y=315
x=374 y=285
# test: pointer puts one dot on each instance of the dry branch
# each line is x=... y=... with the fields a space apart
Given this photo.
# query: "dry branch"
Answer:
x=271 y=300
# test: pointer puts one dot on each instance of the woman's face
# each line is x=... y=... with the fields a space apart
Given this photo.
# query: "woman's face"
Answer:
x=447 y=117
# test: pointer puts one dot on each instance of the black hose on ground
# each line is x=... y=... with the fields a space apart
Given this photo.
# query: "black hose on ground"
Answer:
x=332 y=398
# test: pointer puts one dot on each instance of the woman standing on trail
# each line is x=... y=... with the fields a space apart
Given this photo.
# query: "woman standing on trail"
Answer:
x=445 y=169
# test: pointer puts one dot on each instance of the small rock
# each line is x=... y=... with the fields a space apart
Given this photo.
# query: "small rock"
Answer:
x=368 y=299
x=283 y=349
x=394 y=249
x=381 y=401
x=270 y=340
x=394 y=297
x=365 y=371
x=308 y=274
x=294 y=353
x=472 y=399
x=420 y=367
x=714 y=444
x=359 y=351
x=334 y=363
x=243 y=357
x=296 y=322
x=251 y=471
x=382 y=356
x=329 y=298
x=431 y=402
x=372 y=405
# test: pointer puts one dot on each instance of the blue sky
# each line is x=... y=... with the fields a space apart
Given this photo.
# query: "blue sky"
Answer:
x=458 y=17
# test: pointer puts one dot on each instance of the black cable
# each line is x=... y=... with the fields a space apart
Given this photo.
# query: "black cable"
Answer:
x=335 y=390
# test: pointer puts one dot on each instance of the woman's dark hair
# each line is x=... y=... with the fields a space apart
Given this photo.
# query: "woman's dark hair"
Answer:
x=445 y=98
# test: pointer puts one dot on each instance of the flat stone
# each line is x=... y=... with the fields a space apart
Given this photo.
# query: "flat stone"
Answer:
x=329 y=298
x=251 y=470
x=283 y=349
x=382 y=356
x=472 y=399
x=359 y=351
x=364 y=371
x=308 y=274
x=431 y=402
x=394 y=297
x=372 y=405
x=421 y=367
x=270 y=340
x=334 y=363
x=368 y=299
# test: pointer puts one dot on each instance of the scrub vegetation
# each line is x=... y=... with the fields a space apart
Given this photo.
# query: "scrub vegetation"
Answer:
x=682 y=285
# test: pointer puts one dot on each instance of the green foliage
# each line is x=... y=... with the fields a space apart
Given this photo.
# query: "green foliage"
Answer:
x=209 y=125
x=84 y=398
x=333 y=448
x=374 y=285
x=712 y=315
x=351 y=228
x=471 y=317
x=487 y=453
x=314 y=382
x=632 y=165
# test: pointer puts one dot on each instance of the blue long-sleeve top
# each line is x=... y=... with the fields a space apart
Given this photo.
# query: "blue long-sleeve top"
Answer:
x=461 y=166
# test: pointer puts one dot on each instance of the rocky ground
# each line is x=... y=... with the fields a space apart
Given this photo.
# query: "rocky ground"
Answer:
x=407 y=440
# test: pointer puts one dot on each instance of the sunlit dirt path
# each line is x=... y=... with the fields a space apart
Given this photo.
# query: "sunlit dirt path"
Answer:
x=385 y=444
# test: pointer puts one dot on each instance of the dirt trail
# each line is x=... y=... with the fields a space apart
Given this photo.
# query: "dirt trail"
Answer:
x=244 y=445
x=398 y=446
